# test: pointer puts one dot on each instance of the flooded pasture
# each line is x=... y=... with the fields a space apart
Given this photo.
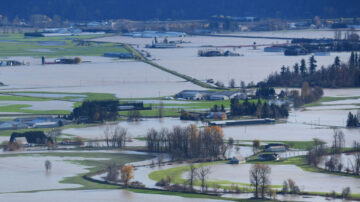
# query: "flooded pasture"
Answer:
x=246 y=68
x=17 y=173
x=134 y=128
x=113 y=195
x=319 y=182
x=101 y=76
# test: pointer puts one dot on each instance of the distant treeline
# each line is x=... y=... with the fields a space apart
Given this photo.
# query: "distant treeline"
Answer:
x=337 y=75
x=80 y=10
x=96 y=111
x=260 y=110
x=188 y=142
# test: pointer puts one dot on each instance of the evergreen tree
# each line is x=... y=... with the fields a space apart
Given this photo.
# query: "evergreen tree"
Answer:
x=337 y=61
x=313 y=65
x=296 y=68
x=303 y=68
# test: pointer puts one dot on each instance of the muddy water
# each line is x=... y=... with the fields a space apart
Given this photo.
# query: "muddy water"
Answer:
x=287 y=197
x=92 y=196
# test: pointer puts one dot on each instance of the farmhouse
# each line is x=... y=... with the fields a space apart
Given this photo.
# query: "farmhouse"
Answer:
x=32 y=137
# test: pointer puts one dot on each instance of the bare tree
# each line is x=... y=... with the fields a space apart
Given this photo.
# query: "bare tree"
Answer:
x=338 y=142
x=259 y=178
x=192 y=176
x=203 y=173
x=356 y=164
x=160 y=159
x=54 y=134
x=113 y=172
x=119 y=137
x=265 y=171
x=107 y=134
x=293 y=188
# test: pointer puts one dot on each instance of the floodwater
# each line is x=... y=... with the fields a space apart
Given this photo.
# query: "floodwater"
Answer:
x=347 y=160
x=301 y=126
x=316 y=33
x=42 y=105
x=135 y=129
x=19 y=173
x=93 y=195
x=142 y=173
x=246 y=68
x=288 y=132
x=126 y=79
x=49 y=95
x=307 y=181
x=287 y=197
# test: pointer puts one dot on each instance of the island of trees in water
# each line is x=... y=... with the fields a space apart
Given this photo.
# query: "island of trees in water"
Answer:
x=188 y=142
x=337 y=75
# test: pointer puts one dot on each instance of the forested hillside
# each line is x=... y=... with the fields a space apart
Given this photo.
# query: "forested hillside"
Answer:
x=173 y=9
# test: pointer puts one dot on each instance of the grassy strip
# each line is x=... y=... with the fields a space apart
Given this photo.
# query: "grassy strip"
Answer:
x=177 y=172
x=21 y=98
x=193 y=106
x=300 y=161
x=184 y=195
x=8 y=132
x=154 y=113
x=329 y=99
x=20 y=109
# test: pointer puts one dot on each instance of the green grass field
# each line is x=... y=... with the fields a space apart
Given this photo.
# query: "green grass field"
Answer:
x=177 y=172
x=329 y=99
x=18 y=45
x=19 y=108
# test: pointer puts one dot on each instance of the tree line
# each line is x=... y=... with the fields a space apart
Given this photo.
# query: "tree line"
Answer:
x=188 y=9
x=96 y=111
x=260 y=110
x=188 y=142
x=339 y=74
x=331 y=155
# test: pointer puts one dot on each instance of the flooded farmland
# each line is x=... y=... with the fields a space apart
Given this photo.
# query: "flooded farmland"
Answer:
x=128 y=79
x=99 y=76
x=319 y=182
x=95 y=195
x=246 y=68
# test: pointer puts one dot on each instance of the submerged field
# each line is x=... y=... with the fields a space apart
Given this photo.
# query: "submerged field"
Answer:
x=66 y=172
x=56 y=89
x=244 y=68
